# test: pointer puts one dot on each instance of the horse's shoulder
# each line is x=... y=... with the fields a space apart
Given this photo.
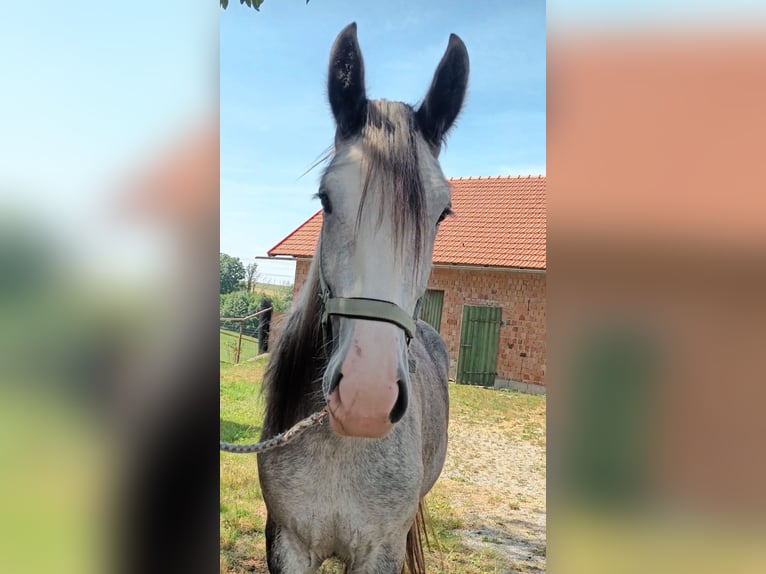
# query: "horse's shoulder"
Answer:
x=432 y=343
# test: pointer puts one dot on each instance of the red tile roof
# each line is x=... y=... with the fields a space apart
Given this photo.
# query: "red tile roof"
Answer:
x=498 y=222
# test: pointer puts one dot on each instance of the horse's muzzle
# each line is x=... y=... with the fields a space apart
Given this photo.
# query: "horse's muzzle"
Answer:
x=368 y=393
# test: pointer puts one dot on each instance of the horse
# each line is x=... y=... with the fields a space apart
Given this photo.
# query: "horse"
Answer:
x=354 y=488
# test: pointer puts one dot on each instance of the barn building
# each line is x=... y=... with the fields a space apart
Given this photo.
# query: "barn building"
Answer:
x=486 y=294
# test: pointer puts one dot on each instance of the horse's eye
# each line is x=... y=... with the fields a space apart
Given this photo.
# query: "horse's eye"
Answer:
x=325 y=202
x=444 y=214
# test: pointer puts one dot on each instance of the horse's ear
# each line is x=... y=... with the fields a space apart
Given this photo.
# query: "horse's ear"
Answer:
x=445 y=97
x=345 y=83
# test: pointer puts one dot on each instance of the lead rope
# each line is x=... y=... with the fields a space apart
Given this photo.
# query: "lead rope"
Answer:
x=285 y=438
x=279 y=440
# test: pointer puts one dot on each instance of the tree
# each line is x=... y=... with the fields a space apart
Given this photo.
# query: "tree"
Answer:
x=252 y=3
x=252 y=275
x=232 y=272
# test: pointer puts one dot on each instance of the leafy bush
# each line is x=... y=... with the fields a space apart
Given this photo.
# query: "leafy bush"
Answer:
x=240 y=304
x=281 y=297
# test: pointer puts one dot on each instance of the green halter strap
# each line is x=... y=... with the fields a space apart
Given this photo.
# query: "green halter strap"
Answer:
x=363 y=308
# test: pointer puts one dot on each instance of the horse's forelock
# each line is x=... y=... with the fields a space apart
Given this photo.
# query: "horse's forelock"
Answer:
x=391 y=164
x=390 y=151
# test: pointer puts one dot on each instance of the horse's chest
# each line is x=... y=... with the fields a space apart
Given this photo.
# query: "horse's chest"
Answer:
x=339 y=494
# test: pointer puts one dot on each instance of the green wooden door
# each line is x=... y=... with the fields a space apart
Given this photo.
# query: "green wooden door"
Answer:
x=479 y=340
x=431 y=308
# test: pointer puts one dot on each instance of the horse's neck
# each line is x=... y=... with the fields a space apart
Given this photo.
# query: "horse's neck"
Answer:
x=294 y=377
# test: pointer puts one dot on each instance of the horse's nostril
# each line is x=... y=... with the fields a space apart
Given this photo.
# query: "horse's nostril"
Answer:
x=335 y=381
x=400 y=407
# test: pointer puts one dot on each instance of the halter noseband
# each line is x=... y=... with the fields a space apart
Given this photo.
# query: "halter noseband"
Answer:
x=362 y=308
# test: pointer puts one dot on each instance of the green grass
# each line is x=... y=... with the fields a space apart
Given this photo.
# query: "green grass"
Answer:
x=517 y=414
x=272 y=289
x=243 y=515
x=229 y=344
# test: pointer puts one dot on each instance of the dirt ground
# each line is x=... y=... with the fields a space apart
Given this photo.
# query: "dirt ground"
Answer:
x=495 y=479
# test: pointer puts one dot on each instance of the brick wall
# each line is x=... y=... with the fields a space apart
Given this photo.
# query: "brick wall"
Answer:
x=522 y=297
x=301 y=273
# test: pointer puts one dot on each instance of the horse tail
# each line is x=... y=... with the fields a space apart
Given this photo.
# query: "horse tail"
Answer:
x=414 y=558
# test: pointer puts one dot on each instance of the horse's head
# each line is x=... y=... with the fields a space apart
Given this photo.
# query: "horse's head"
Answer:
x=383 y=196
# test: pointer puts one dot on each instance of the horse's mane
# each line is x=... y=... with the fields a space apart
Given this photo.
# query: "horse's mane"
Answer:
x=296 y=363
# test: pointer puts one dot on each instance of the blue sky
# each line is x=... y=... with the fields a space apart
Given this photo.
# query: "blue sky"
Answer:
x=91 y=91
x=275 y=120
x=89 y=87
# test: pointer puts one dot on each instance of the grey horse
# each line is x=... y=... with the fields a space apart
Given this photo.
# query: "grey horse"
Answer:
x=354 y=488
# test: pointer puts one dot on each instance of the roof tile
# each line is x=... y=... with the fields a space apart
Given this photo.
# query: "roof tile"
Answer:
x=499 y=222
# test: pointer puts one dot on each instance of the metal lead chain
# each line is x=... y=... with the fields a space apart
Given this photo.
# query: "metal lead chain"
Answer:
x=279 y=440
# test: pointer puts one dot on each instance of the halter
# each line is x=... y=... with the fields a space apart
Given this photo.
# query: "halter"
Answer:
x=362 y=308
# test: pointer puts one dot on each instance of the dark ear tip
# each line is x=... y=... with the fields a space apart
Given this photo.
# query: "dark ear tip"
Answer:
x=349 y=30
x=456 y=42
x=456 y=48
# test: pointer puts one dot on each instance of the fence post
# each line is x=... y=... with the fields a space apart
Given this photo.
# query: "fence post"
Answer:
x=239 y=343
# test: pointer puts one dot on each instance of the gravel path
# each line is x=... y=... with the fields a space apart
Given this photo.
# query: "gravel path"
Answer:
x=497 y=483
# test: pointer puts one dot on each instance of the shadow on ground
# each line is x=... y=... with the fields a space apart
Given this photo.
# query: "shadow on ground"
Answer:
x=521 y=542
x=233 y=432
